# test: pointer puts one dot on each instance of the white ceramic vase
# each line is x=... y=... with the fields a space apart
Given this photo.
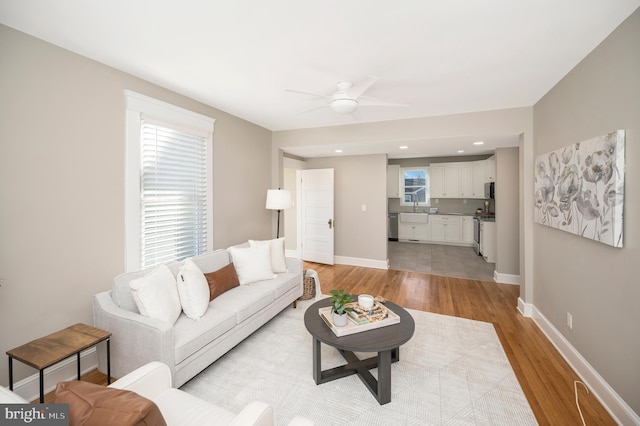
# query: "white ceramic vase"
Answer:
x=339 y=320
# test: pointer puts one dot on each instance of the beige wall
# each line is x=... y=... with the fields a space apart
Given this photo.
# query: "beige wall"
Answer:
x=358 y=180
x=507 y=207
x=596 y=283
x=62 y=155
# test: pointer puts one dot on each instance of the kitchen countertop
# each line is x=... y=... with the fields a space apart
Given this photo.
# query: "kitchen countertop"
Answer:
x=486 y=217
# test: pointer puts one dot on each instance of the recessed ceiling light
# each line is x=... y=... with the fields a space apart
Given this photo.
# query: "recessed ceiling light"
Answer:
x=478 y=143
x=404 y=147
x=338 y=150
x=460 y=151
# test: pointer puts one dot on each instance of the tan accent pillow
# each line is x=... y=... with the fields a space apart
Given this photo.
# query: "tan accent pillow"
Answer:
x=91 y=404
x=222 y=280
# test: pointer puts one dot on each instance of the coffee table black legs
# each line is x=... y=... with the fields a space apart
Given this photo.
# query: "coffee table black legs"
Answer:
x=380 y=388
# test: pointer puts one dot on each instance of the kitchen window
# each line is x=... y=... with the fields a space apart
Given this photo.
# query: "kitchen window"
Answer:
x=168 y=203
x=414 y=186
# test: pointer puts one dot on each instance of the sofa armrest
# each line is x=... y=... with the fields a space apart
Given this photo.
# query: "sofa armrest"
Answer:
x=256 y=413
x=9 y=397
x=148 y=381
x=294 y=265
x=135 y=339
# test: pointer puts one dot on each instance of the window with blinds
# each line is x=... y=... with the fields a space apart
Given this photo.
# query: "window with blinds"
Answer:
x=173 y=194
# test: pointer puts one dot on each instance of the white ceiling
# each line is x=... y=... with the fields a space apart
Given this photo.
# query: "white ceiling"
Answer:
x=439 y=57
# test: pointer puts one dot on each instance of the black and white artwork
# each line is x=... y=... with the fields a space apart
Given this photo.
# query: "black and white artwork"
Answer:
x=580 y=188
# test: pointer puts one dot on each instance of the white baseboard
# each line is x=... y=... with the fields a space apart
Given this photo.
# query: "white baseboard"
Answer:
x=506 y=278
x=29 y=387
x=526 y=309
x=612 y=402
x=357 y=261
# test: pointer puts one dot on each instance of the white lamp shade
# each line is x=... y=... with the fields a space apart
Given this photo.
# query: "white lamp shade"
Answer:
x=278 y=199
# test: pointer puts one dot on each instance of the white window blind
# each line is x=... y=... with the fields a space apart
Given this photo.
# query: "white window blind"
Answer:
x=173 y=208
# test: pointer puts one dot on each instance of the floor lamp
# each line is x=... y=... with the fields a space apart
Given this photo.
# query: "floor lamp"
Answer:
x=278 y=199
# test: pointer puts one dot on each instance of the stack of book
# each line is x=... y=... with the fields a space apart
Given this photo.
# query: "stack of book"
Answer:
x=362 y=316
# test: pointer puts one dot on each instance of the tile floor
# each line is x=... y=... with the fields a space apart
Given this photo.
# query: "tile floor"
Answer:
x=438 y=259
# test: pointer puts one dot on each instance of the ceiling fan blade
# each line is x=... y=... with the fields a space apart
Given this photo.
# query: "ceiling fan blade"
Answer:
x=308 y=93
x=314 y=109
x=358 y=89
x=367 y=101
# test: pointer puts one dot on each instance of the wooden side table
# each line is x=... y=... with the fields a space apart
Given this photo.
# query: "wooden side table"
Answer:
x=46 y=351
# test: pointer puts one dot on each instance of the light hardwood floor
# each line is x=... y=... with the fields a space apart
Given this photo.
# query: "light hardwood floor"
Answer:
x=545 y=377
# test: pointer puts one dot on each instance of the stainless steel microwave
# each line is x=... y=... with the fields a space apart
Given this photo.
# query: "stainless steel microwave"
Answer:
x=490 y=190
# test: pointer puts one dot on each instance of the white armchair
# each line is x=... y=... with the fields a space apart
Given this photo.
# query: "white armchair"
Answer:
x=153 y=381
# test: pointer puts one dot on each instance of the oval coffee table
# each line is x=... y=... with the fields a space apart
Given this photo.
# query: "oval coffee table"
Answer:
x=385 y=341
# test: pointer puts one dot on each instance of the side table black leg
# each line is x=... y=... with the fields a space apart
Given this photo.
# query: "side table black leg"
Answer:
x=384 y=377
x=78 y=355
x=42 y=386
x=108 y=361
x=10 y=373
x=317 y=367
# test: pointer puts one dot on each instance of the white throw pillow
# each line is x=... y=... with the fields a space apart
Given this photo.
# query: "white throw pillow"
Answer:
x=276 y=251
x=156 y=295
x=252 y=263
x=193 y=290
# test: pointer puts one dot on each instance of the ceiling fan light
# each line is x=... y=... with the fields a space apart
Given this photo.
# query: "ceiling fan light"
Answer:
x=344 y=106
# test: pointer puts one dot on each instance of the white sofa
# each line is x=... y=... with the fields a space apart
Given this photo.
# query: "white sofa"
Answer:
x=153 y=381
x=188 y=346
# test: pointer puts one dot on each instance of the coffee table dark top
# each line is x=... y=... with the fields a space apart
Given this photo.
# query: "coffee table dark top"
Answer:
x=376 y=340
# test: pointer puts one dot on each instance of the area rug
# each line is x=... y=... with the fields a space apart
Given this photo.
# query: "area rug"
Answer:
x=453 y=371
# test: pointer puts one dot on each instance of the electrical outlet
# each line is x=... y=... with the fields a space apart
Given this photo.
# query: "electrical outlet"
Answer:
x=569 y=321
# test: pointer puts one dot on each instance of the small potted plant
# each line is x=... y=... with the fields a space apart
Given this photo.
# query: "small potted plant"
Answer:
x=338 y=301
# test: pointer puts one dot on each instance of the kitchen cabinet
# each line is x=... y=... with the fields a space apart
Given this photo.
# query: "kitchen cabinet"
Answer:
x=445 y=228
x=488 y=241
x=465 y=179
x=479 y=178
x=393 y=181
x=444 y=180
x=414 y=231
x=460 y=180
x=491 y=169
x=467 y=229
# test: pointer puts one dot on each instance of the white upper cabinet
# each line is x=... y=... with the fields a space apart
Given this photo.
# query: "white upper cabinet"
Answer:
x=458 y=180
x=465 y=175
x=479 y=170
x=491 y=169
x=393 y=181
x=444 y=180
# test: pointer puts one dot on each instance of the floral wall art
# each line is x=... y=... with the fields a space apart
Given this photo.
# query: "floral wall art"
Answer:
x=580 y=188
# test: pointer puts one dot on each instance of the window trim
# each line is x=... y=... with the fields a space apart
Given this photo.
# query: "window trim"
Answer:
x=427 y=202
x=139 y=106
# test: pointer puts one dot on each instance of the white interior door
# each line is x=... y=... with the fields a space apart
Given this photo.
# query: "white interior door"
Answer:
x=316 y=215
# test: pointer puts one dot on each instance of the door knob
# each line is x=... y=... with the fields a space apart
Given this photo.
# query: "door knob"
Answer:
x=330 y=223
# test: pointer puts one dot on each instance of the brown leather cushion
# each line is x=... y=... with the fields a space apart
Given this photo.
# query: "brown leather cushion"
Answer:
x=91 y=404
x=222 y=280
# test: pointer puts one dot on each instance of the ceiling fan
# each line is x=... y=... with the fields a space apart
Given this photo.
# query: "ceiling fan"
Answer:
x=349 y=96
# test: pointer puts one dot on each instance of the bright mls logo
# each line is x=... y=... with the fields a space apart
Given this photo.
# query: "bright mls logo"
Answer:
x=34 y=414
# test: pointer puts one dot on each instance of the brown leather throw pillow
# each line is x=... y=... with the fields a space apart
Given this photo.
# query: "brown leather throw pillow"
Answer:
x=222 y=280
x=91 y=404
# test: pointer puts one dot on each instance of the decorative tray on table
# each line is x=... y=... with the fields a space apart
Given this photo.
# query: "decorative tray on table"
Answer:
x=359 y=319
